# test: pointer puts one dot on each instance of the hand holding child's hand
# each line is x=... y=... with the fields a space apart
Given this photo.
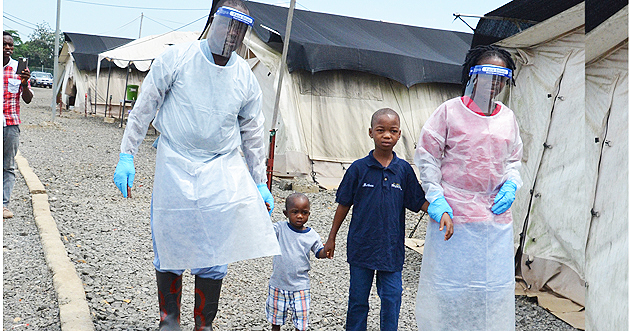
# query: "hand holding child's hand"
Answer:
x=448 y=222
x=268 y=207
x=329 y=248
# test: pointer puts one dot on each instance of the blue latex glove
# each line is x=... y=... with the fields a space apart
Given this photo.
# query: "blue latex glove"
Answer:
x=125 y=173
x=266 y=195
x=438 y=207
x=505 y=197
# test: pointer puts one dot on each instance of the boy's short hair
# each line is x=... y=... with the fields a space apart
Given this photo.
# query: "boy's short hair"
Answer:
x=381 y=112
x=289 y=202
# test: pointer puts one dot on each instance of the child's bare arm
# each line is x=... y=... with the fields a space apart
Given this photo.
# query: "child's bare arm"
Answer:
x=425 y=206
x=340 y=215
x=321 y=254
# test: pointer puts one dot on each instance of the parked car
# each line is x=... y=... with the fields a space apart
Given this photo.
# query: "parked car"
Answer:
x=40 y=78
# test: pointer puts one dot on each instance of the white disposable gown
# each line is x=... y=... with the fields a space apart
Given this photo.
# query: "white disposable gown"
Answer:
x=207 y=210
x=467 y=282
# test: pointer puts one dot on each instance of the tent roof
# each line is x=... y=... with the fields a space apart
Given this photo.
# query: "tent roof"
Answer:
x=406 y=54
x=599 y=11
x=547 y=30
x=87 y=47
x=141 y=52
x=515 y=16
x=607 y=36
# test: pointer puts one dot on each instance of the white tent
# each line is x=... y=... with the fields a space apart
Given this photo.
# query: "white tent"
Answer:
x=324 y=117
x=136 y=58
x=141 y=52
x=549 y=103
x=606 y=270
x=77 y=64
x=574 y=200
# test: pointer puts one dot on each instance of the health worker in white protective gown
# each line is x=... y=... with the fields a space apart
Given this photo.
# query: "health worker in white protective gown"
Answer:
x=208 y=207
x=469 y=156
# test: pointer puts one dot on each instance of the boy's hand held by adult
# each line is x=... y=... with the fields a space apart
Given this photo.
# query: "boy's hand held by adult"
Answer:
x=438 y=207
x=504 y=199
x=329 y=248
x=266 y=195
x=447 y=222
x=125 y=173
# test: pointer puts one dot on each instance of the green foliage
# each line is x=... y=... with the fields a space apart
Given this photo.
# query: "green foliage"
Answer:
x=40 y=48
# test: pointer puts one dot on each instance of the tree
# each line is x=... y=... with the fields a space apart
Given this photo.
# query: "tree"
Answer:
x=40 y=47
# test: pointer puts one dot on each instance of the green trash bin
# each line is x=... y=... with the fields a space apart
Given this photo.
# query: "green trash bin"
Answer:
x=132 y=92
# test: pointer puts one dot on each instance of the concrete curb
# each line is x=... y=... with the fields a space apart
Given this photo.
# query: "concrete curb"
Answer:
x=74 y=312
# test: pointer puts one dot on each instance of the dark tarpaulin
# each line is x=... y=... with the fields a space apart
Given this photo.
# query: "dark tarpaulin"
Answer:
x=518 y=15
x=598 y=11
x=87 y=47
x=406 y=54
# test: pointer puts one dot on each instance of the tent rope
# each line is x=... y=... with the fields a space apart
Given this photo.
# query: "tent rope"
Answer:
x=402 y=114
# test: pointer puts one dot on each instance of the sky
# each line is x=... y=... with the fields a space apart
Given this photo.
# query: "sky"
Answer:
x=116 y=18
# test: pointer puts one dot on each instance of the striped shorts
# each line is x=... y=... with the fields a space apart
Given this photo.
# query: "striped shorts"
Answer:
x=280 y=301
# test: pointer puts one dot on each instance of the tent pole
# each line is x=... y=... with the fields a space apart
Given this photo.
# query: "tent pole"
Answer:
x=274 y=125
x=109 y=76
x=140 y=31
x=56 y=64
x=124 y=103
x=98 y=64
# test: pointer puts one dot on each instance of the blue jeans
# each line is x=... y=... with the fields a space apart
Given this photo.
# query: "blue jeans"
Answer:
x=10 y=143
x=215 y=272
x=389 y=289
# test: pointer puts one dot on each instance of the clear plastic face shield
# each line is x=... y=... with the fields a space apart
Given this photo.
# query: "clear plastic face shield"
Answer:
x=487 y=84
x=227 y=30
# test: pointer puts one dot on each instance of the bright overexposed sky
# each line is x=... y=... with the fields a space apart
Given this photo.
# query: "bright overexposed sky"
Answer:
x=121 y=18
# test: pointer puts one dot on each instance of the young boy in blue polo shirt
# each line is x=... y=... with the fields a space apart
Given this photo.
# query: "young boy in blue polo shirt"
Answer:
x=380 y=186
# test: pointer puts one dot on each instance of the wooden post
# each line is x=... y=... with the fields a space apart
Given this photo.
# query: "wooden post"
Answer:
x=283 y=63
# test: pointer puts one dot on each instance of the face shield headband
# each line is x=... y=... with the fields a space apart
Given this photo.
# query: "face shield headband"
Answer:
x=485 y=83
x=227 y=30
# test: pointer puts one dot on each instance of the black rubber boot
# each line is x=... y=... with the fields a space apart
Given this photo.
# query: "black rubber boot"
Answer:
x=170 y=296
x=207 y=293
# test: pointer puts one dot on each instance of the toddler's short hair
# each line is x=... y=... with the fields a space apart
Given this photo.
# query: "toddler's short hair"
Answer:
x=289 y=202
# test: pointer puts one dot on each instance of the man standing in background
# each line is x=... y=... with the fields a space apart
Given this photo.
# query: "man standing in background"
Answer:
x=15 y=84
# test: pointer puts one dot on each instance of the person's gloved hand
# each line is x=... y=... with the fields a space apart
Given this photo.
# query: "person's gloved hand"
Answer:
x=266 y=195
x=505 y=197
x=125 y=173
x=438 y=207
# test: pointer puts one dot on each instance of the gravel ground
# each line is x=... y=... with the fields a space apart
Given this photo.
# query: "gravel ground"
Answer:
x=109 y=241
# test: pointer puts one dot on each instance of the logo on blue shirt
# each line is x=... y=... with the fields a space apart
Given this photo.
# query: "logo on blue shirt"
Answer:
x=368 y=185
x=396 y=185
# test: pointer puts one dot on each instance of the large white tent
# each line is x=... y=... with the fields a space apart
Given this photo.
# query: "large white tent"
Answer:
x=571 y=103
x=324 y=117
x=548 y=100
x=78 y=61
x=141 y=52
x=135 y=58
x=606 y=270
x=90 y=86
